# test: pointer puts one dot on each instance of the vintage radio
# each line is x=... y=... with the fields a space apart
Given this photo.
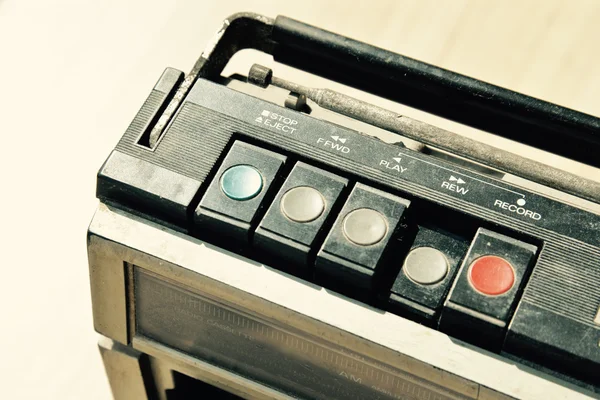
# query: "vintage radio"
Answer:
x=246 y=243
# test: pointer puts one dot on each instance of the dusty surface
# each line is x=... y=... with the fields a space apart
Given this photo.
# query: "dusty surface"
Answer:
x=73 y=73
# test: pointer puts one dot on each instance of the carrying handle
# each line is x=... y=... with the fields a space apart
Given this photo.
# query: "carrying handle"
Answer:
x=438 y=91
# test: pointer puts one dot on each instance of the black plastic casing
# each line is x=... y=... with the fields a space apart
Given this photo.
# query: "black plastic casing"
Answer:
x=553 y=322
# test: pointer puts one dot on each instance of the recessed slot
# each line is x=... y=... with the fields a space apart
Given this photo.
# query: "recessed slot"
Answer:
x=169 y=87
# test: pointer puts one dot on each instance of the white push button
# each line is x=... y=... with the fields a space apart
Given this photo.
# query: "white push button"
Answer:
x=365 y=226
x=425 y=265
x=302 y=204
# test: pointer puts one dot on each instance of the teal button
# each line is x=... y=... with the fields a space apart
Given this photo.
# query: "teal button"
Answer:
x=241 y=182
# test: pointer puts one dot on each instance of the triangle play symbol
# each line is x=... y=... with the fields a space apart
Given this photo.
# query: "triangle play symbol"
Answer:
x=343 y=140
x=397 y=159
x=335 y=138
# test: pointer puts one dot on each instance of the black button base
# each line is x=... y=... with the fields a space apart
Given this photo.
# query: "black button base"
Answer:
x=226 y=216
x=342 y=262
x=423 y=302
x=293 y=241
x=478 y=318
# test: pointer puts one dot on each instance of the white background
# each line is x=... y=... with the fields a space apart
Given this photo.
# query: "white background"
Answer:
x=73 y=74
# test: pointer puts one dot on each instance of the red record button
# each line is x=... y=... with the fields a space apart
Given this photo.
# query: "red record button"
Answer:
x=491 y=275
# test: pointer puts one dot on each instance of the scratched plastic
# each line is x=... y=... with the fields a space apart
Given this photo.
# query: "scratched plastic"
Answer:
x=280 y=358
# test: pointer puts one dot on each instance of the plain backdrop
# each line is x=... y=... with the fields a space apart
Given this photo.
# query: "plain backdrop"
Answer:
x=73 y=74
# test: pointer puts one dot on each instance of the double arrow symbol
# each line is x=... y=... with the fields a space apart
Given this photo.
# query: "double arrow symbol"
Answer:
x=336 y=138
x=457 y=180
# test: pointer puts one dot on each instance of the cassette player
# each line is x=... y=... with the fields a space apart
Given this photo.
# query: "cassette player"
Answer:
x=264 y=239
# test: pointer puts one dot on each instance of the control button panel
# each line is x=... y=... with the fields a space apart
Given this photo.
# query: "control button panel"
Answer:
x=353 y=252
x=296 y=217
x=426 y=274
x=361 y=242
x=234 y=197
x=484 y=294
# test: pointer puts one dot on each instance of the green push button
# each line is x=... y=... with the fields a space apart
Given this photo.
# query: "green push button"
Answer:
x=241 y=182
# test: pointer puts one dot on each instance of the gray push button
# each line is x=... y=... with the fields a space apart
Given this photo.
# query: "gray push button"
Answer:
x=353 y=252
x=365 y=227
x=302 y=204
x=294 y=222
x=425 y=265
x=232 y=200
x=426 y=274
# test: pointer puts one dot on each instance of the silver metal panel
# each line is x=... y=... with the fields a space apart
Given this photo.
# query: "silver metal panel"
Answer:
x=385 y=337
x=107 y=283
x=123 y=368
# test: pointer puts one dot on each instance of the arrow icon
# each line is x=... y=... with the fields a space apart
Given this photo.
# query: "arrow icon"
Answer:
x=457 y=180
x=259 y=119
x=397 y=159
x=336 y=138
